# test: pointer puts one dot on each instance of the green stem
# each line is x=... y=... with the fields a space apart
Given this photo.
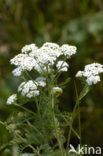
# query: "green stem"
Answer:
x=73 y=115
x=23 y=78
x=79 y=122
x=34 y=150
x=79 y=125
x=55 y=127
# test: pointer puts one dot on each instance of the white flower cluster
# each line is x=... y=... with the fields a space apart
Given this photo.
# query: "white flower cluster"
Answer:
x=91 y=72
x=40 y=81
x=62 y=66
x=41 y=59
x=30 y=88
x=23 y=62
x=29 y=48
x=12 y=99
x=17 y=71
x=68 y=50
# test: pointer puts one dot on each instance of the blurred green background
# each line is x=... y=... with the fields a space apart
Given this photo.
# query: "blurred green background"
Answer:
x=76 y=22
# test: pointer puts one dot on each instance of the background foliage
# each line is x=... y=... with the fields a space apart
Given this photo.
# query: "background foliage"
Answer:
x=78 y=22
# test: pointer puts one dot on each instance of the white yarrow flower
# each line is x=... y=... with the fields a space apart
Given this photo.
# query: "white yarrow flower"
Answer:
x=28 y=48
x=68 y=50
x=12 y=99
x=24 y=62
x=41 y=59
x=79 y=74
x=62 y=66
x=34 y=93
x=51 y=45
x=93 y=80
x=40 y=81
x=91 y=72
x=29 y=89
x=17 y=72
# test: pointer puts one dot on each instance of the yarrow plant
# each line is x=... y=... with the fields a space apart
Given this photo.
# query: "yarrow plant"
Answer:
x=39 y=126
x=91 y=73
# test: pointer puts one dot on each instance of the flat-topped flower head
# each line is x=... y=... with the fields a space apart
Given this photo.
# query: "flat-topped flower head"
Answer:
x=51 y=45
x=41 y=59
x=91 y=73
x=24 y=62
x=18 y=59
x=12 y=99
x=28 y=89
x=17 y=71
x=68 y=50
x=28 y=48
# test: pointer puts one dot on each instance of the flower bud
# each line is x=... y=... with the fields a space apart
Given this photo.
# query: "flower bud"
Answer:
x=57 y=90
